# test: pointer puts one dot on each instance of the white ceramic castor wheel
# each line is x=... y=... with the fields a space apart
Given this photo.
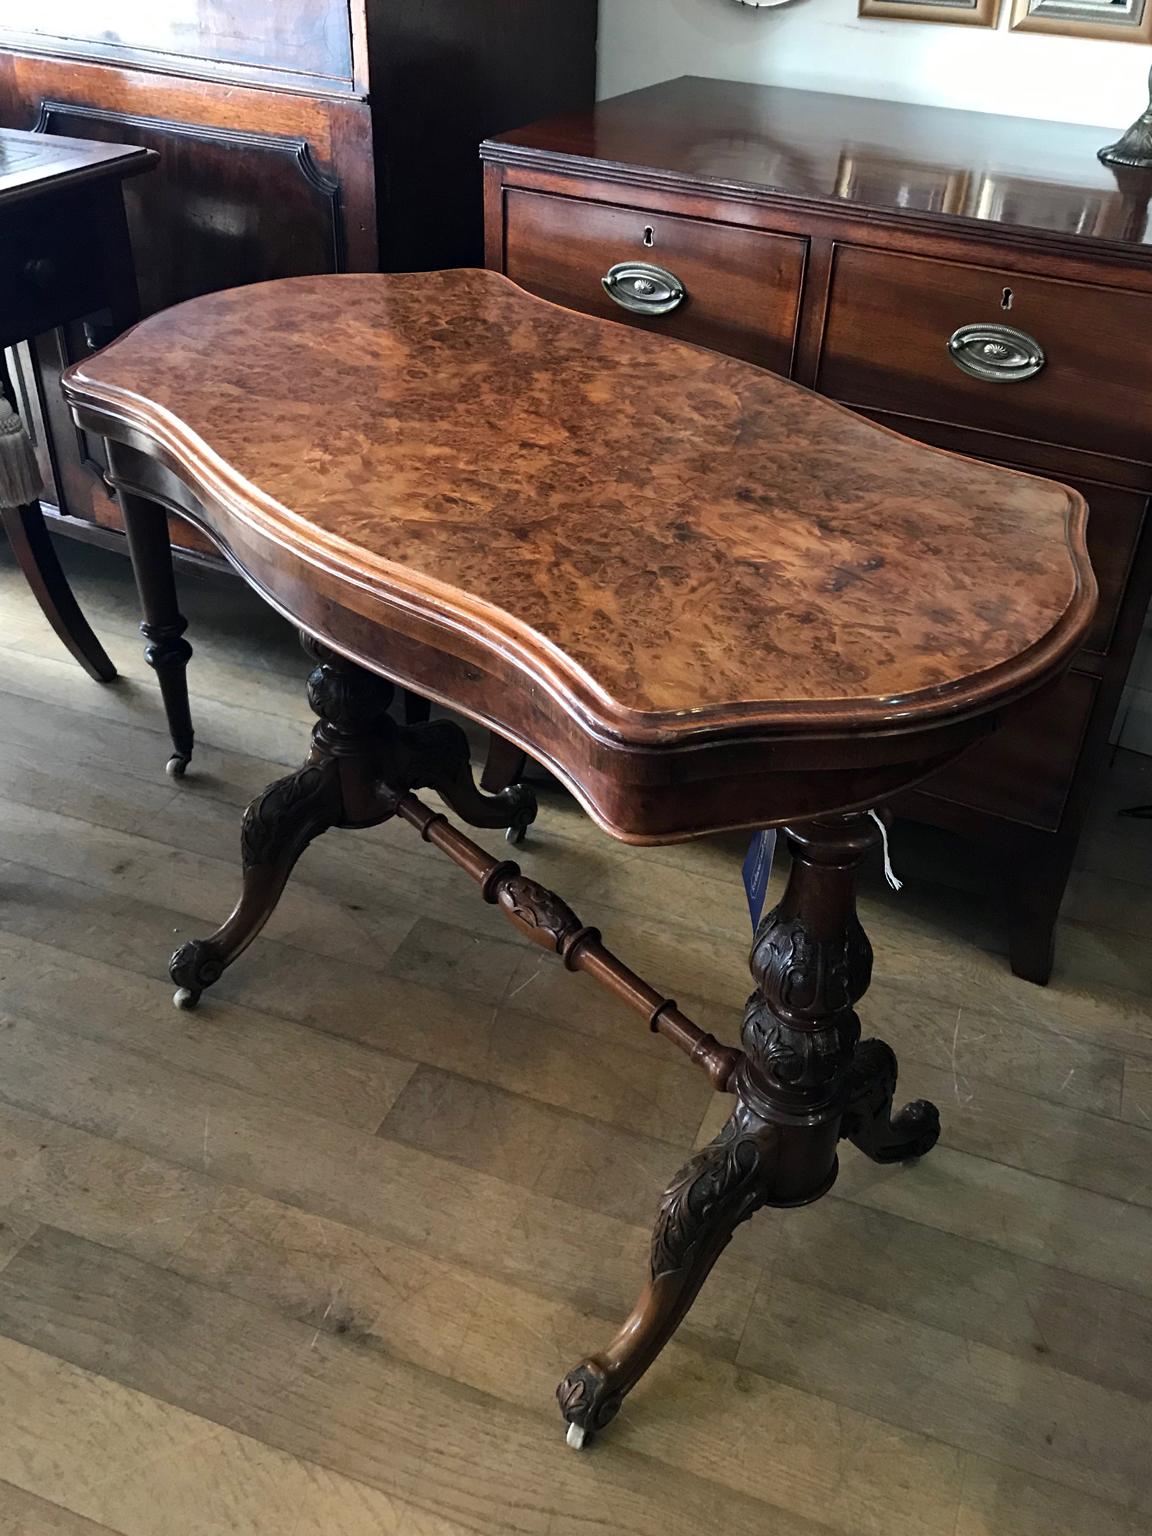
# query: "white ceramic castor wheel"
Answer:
x=185 y=997
x=516 y=835
x=576 y=1436
x=176 y=766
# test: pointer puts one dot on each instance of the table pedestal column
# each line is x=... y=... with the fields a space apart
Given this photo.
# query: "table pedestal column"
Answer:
x=806 y=1082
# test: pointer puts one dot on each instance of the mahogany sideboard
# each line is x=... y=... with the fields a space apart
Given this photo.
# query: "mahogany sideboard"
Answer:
x=295 y=137
x=981 y=283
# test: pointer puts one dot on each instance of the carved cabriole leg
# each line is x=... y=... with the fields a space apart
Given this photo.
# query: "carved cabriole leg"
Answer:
x=704 y=1204
x=335 y=787
x=437 y=756
x=869 y=1123
x=360 y=765
x=277 y=827
x=802 y=1072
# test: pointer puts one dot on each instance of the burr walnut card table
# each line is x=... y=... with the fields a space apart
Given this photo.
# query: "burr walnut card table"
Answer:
x=704 y=597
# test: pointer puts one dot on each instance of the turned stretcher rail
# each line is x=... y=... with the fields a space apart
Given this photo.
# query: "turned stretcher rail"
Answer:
x=542 y=916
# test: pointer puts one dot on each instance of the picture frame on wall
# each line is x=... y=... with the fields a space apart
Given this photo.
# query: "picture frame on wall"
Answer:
x=965 y=13
x=1118 y=20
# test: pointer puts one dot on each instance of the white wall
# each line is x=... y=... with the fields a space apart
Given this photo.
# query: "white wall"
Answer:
x=823 y=45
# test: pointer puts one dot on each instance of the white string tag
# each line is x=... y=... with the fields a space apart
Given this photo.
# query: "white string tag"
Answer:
x=889 y=872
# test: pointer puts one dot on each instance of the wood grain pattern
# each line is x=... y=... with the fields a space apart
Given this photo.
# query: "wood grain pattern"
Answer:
x=487 y=457
x=27 y=164
x=1082 y=330
x=743 y=285
x=740 y=556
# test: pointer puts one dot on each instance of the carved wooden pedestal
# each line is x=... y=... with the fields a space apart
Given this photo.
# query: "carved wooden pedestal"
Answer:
x=803 y=1081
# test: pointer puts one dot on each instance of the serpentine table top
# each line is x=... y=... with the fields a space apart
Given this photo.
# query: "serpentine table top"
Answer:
x=704 y=596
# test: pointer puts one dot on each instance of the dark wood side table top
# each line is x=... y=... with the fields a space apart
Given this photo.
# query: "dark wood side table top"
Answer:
x=34 y=163
x=615 y=549
x=64 y=251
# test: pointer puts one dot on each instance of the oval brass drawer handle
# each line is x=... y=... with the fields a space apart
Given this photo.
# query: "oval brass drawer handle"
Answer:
x=643 y=288
x=998 y=353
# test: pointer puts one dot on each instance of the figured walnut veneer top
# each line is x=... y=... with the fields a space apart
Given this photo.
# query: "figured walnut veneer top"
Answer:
x=667 y=538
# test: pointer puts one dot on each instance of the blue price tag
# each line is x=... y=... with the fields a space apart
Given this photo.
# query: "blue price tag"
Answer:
x=758 y=872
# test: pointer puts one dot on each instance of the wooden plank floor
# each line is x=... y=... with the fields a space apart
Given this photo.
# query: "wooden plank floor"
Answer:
x=310 y=1261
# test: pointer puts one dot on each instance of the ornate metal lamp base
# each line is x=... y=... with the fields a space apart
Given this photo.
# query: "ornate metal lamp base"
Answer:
x=1135 y=147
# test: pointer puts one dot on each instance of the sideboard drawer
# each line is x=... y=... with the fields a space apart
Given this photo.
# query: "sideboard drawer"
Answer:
x=1024 y=770
x=1115 y=521
x=891 y=318
x=741 y=286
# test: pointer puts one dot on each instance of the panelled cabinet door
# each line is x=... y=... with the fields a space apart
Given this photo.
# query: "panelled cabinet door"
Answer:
x=249 y=186
x=284 y=42
x=225 y=205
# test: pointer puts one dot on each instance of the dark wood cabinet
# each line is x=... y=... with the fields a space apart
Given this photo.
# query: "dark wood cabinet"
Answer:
x=745 y=283
x=890 y=316
x=981 y=283
x=295 y=136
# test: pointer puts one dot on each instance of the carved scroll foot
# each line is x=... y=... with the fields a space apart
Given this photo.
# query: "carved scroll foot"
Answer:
x=869 y=1123
x=278 y=826
x=439 y=758
x=720 y=1187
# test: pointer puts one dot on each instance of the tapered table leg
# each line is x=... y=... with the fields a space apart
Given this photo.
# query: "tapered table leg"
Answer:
x=163 y=625
x=37 y=558
x=805 y=1082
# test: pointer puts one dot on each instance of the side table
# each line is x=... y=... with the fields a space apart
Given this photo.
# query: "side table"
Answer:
x=64 y=256
x=702 y=596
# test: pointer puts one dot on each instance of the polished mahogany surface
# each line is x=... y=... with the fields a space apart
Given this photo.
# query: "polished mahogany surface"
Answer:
x=651 y=542
x=845 y=152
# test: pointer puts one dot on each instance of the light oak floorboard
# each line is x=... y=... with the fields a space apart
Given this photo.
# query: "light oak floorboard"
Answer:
x=324 y=1246
x=1026 y=1413
x=504 y=1340
x=331 y=1169
x=508 y=1341
x=24 y=1514
x=115 y=1457
x=405 y=1432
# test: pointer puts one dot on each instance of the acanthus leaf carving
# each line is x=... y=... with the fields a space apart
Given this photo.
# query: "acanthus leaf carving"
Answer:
x=292 y=798
x=716 y=1190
